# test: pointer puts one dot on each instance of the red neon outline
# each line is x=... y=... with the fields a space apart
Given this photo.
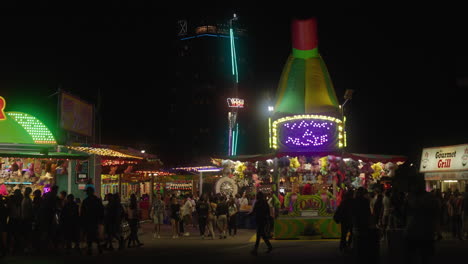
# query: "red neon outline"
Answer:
x=2 y=107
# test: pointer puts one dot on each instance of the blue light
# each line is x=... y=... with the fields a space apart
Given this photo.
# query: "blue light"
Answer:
x=207 y=35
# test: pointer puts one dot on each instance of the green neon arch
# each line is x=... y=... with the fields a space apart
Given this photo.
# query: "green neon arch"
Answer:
x=22 y=128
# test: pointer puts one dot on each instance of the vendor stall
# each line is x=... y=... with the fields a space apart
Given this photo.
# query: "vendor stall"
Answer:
x=445 y=168
x=30 y=155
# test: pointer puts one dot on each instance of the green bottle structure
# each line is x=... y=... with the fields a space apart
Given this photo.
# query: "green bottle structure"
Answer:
x=307 y=115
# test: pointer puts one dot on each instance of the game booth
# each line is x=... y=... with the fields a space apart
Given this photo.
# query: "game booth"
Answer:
x=31 y=157
x=308 y=170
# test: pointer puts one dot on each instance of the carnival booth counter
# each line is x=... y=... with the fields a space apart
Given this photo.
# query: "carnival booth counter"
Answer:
x=306 y=190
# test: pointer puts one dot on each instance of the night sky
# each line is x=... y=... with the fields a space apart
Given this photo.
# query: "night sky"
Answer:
x=404 y=71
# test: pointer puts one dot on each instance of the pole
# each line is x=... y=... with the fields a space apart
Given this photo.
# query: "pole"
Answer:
x=201 y=184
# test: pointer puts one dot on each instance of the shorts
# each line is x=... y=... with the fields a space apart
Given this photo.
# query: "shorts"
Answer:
x=222 y=221
x=158 y=218
x=187 y=219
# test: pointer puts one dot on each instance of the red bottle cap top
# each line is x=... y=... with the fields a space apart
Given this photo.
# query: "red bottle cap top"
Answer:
x=304 y=33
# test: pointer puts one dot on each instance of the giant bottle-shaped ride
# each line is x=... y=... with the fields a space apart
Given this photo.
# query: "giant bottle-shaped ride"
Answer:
x=307 y=115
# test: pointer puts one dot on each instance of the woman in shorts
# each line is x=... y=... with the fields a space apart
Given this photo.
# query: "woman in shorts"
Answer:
x=157 y=214
x=175 y=217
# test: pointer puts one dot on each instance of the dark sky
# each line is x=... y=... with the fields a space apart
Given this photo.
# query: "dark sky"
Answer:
x=404 y=70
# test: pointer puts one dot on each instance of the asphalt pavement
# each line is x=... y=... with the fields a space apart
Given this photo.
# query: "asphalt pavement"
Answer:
x=235 y=249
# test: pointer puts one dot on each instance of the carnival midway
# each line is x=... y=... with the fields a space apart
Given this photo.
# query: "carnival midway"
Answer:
x=305 y=177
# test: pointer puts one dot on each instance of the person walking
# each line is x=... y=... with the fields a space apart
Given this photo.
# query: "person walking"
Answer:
x=158 y=212
x=343 y=216
x=386 y=210
x=27 y=219
x=361 y=221
x=465 y=212
x=175 y=217
x=70 y=220
x=202 y=213
x=261 y=209
x=36 y=205
x=112 y=215
x=186 y=212
x=232 y=220
x=222 y=213
x=14 y=220
x=133 y=221
x=420 y=225
x=3 y=226
x=92 y=214
x=439 y=218
x=457 y=216
x=211 y=219
x=48 y=219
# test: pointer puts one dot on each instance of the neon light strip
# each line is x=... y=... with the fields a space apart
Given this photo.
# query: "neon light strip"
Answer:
x=233 y=56
x=231 y=34
x=237 y=137
x=269 y=131
x=25 y=183
x=233 y=142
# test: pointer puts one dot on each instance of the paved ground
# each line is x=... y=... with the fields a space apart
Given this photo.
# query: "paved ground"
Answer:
x=231 y=250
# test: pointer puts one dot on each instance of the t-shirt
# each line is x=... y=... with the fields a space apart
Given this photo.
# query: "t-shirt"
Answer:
x=222 y=209
x=186 y=208
x=175 y=209
x=158 y=207
x=232 y=209
x=202 y=209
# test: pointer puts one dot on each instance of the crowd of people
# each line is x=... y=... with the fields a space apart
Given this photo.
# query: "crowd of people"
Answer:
x=33 y=223
x=423 y=217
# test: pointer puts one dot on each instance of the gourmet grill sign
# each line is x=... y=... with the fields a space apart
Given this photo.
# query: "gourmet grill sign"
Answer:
x=235 y=102
x=449 y=158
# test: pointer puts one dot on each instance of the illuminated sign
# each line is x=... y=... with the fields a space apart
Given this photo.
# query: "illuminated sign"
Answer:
x=235 y=102
x=307 y=133
x=2 y=107
x=38 y=131
x=444 y=159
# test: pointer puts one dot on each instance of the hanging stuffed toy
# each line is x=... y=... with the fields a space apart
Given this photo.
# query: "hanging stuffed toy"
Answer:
x=377 y=168
x=307 y=190
x=315 y=165
x=294 y=164
x=333 y=163
x=367 y=171
x=239 y=170
x=323 y=165
x=302 y=161
x=391 y=167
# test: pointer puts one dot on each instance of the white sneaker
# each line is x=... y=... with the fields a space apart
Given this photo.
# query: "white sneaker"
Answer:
x=187 y=234
x=159 y=236
x=154 y=235
x=173 y=237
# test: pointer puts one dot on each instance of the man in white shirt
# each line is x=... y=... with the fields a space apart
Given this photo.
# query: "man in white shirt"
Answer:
x=186 y=212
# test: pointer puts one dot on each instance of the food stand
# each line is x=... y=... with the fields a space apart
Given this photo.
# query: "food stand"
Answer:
x=445 y=167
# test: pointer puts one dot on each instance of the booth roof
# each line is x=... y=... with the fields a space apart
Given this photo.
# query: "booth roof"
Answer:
x=38 y=154
x=354 y=156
